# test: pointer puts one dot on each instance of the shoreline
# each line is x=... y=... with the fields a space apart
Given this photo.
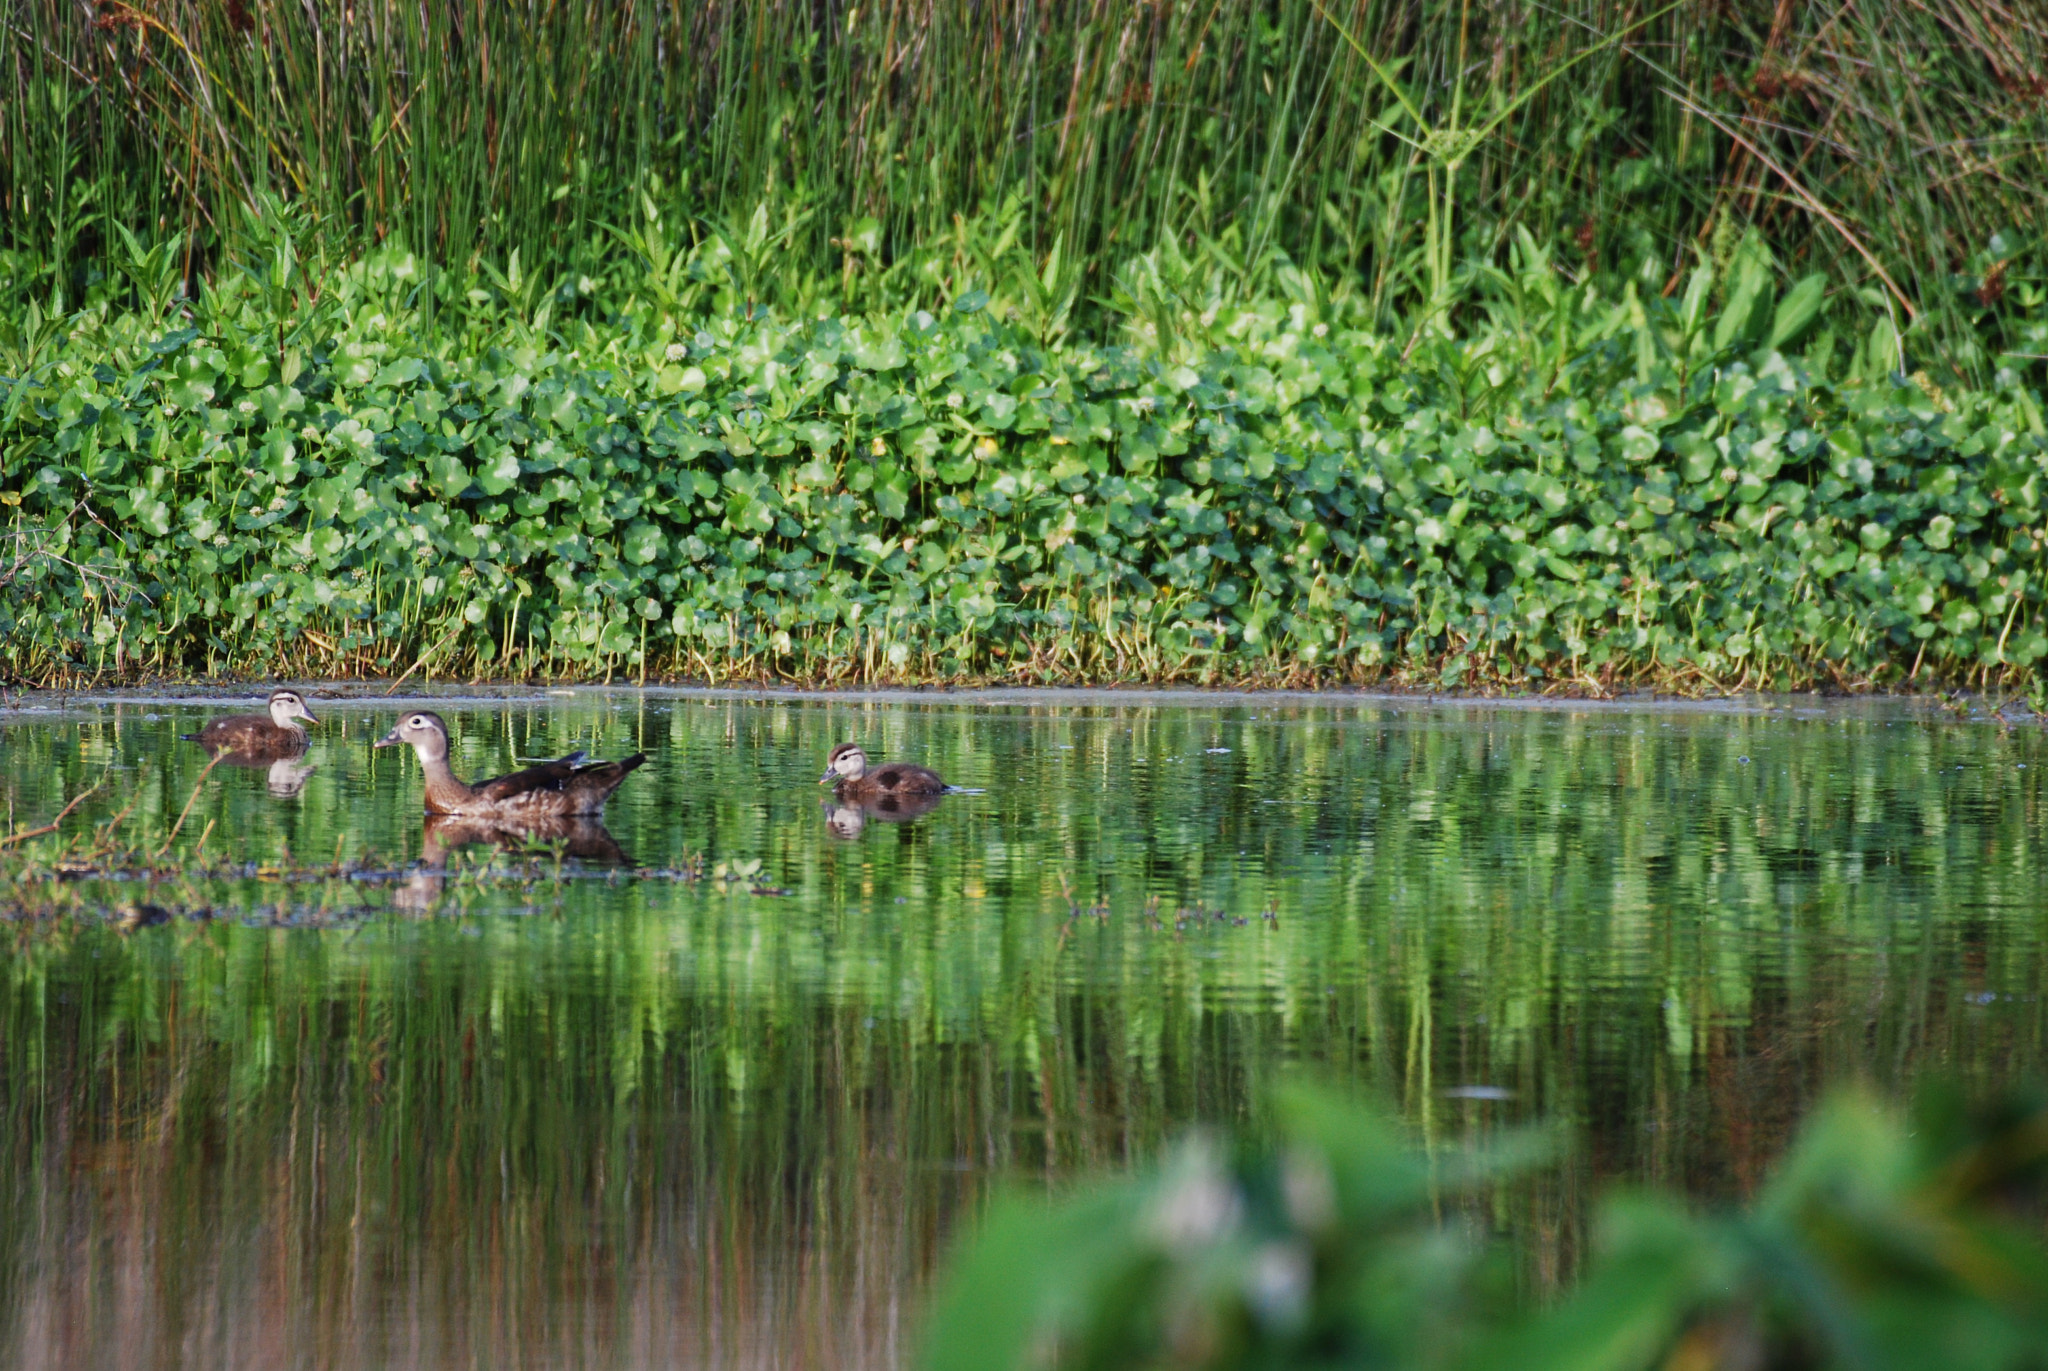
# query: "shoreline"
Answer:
x=379 y=693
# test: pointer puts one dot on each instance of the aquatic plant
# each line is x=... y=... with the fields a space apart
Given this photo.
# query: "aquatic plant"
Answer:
x=1584 y=491
x=1875 y=1243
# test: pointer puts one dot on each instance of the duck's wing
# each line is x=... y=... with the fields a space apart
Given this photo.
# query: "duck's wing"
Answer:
x=232 y=732
x=547 y=777
x=902 y=778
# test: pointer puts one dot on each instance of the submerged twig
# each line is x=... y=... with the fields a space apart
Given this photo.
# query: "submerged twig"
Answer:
x=197 y=786
x=62 y=814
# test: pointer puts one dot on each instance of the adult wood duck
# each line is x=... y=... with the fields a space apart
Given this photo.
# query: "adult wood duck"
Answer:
x=563 y=788
x=256 y=737
x=847 y=769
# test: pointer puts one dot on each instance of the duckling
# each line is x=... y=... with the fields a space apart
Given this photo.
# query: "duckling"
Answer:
x=563 y=788
x=848 y=768
x=253 y=736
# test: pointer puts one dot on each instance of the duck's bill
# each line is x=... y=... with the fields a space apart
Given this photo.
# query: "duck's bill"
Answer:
x=827 y=778
x=307 y=715
x=390 y=739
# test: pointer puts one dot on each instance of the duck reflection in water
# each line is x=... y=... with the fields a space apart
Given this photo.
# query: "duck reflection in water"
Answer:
x=287 y=775
x=584 y=839
x=846 y=814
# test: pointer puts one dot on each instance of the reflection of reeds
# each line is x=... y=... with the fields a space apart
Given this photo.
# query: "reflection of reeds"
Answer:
x=428 y=1160
x=675 y=1124
x=369 y=1207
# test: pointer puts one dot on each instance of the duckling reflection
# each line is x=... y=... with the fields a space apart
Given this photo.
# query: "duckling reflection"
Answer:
x=584 y=839
x=285 y=776
x=846 y=815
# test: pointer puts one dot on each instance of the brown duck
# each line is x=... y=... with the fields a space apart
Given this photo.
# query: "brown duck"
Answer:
x=564 y=788
x=258 y=738
x=847 y=770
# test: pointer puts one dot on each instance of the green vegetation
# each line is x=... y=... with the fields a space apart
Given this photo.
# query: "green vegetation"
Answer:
x=893 y=157
x=1875 y=1243
x=1582 y=491
x=1460 y=346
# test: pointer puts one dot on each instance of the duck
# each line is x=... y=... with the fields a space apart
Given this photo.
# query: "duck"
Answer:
x=847 y=769
x=256 y=737
x=564 y=788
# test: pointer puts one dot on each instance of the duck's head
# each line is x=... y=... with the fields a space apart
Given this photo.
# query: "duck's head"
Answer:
x=847 y=763
x=287 y=705
x=424 y=731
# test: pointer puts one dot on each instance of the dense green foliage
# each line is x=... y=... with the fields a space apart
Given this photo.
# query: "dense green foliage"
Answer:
x=1707 y=489
x=1454 y=343
x=1875 y=1244
x=1384 y=148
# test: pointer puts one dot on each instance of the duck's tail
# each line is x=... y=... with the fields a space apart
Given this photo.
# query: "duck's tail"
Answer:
x=620 y=767
x=596 y=780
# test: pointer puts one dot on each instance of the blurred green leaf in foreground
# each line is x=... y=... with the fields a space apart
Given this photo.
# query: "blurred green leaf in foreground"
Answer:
x=1879 y=1242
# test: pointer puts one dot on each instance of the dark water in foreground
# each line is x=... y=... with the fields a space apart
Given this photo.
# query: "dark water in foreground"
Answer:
x=629 y=1119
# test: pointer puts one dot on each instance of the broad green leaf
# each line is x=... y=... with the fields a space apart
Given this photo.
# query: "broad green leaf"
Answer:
x=1797 y=311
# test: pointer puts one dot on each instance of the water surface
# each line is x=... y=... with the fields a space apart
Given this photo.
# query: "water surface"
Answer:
x=419 y=1118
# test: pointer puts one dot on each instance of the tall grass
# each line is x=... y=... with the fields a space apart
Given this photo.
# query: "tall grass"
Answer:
x=1897 y=146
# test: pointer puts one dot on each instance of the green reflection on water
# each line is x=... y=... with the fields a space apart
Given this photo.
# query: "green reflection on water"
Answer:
x=627 y=1119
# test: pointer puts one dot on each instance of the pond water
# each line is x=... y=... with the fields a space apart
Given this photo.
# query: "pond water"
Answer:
x=642 y=1115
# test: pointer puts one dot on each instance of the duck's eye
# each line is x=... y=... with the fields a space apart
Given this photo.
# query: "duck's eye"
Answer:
x=417 y=722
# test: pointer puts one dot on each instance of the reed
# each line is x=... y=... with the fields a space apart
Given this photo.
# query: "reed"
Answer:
x=846 y=148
